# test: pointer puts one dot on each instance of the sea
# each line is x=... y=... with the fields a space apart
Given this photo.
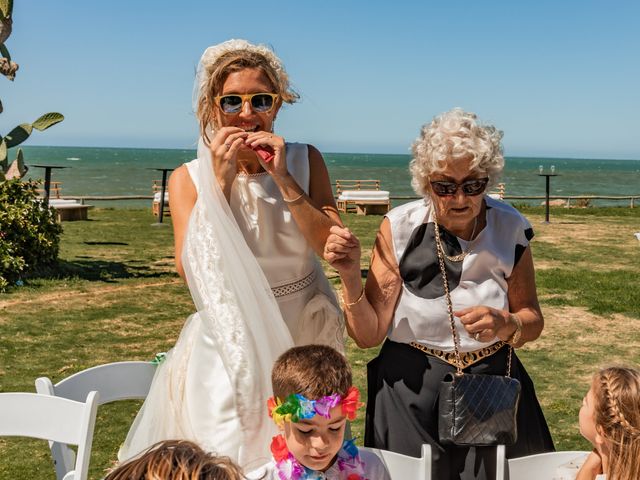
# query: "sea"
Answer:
x=91 y=171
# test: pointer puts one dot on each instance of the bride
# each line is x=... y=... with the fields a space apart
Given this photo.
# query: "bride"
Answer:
x=249 y=216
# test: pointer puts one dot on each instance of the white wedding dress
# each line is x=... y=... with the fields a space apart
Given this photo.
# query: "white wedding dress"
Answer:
x=258 y=290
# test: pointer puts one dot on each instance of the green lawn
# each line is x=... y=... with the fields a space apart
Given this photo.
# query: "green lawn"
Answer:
x=115 y=297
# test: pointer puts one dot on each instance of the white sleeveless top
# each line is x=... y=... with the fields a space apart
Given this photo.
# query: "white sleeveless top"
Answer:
x=480 y=279
x=306 y=300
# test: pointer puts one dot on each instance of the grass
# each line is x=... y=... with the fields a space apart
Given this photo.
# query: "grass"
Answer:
x=115 y=297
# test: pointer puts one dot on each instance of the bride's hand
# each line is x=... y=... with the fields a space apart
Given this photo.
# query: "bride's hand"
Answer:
x=270 y=144
x=224 y=152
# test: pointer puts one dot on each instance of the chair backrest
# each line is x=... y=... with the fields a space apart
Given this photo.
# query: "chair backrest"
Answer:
x=114 y=381
x=543 y=466
x=369 y=184
x=404 y=467
x=55 y=190
x=498 y=191
x=50 y=418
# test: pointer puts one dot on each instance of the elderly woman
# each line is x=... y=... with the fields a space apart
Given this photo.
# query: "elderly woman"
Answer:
x=491 y=283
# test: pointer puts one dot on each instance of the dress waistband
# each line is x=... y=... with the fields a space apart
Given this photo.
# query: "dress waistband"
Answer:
x=293 y=287
x=466 y=358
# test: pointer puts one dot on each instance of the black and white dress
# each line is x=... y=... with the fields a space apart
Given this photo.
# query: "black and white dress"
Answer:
x=402 y=407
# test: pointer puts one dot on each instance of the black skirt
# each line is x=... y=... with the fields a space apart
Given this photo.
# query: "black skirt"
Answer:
x=402 y=411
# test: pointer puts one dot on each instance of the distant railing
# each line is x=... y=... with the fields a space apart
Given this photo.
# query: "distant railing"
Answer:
x=631 y=198
x=568 y=198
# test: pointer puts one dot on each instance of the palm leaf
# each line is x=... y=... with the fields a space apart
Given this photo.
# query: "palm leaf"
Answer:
x=47 y=120
x=6 y=8
x=3 y=154
x=18 y=135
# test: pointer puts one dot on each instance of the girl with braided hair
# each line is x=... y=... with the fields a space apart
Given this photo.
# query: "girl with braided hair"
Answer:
x=610 y=420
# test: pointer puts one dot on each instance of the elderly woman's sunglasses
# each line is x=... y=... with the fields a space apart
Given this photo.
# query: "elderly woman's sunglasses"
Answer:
x=470 y=187
x=260 y=102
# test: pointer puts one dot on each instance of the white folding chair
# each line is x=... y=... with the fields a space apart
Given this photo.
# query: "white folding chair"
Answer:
x=544 y=466
x=114 y=381
x=50 y=418
x=404 y=467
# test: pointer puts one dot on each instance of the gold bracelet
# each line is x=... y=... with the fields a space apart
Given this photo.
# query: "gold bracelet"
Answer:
x=515 y=337
x=349 y=305
x=294 y=199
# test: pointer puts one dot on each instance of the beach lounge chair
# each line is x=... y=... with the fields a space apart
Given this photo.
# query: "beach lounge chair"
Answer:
x=157 y=193
x=363 y=197
x=403 y=467
x=66 y=209
x=113 y=381
x=69 y=210
x=498 y=192
x=54 y=419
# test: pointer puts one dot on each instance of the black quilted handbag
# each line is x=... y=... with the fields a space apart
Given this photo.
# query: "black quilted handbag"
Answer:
x=475 y=410
x=478 y=409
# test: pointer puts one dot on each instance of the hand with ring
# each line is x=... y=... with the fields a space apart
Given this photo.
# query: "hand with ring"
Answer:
x=224 y=151
x=484 y=324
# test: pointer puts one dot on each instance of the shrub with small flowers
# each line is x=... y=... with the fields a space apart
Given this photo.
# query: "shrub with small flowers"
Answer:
x=29 y=233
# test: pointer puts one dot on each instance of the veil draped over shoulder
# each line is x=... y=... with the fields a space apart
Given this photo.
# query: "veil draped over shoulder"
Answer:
x=240 y=321
x=234 y=300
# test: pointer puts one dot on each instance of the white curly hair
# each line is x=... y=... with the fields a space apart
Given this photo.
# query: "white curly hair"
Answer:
x=453 y=136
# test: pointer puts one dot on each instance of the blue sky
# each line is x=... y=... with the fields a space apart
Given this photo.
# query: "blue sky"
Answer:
x=559 y=77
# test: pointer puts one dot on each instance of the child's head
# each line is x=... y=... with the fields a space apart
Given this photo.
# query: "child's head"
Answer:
x=313 y=398
x=176 y=460
x=610 y=419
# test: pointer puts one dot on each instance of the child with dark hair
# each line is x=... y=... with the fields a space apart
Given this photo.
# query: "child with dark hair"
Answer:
x=313 y=398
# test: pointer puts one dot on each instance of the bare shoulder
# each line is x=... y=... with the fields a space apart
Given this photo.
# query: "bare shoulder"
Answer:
x=314 y=152
x=180 y=182
x=319 y=182
x=385 y=227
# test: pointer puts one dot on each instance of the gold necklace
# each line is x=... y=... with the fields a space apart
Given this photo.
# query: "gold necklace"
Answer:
x=460 y=256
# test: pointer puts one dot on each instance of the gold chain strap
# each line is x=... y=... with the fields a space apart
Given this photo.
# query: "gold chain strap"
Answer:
x=447 y=294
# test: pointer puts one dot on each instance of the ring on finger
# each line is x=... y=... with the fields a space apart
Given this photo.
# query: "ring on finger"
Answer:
x=476 y=336
x=228 y=145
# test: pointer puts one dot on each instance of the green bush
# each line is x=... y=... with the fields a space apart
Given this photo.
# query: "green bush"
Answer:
x=29 y=233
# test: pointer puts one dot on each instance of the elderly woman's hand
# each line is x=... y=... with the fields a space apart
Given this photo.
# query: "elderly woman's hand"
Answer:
x=342 y=250
x=485 y=323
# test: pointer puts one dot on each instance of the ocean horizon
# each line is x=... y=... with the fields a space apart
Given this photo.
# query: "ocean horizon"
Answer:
x=105 y=171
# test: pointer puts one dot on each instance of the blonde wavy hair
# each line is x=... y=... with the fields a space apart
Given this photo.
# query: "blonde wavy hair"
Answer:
x=176 y=460
x=450 y=137
x=617 y=417
x=219 y=61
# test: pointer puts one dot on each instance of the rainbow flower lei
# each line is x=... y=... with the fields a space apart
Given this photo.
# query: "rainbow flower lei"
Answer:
x=289 y=468
x=297 y=407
